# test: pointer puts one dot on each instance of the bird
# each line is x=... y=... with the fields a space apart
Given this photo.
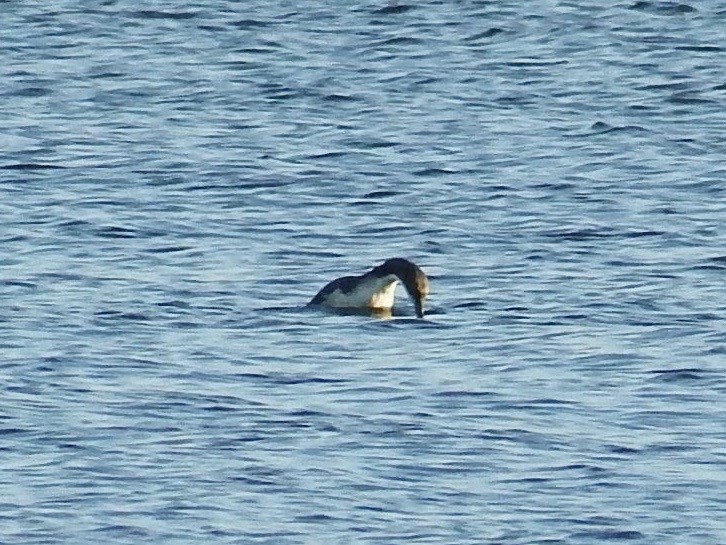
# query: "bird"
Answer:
x=374 y=290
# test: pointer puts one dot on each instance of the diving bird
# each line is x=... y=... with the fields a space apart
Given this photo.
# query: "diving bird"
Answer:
x=374 y=290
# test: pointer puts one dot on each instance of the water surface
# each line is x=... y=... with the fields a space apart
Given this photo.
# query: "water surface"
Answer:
x=177 y=181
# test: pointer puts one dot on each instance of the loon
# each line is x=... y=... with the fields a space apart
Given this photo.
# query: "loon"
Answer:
x=374 y=290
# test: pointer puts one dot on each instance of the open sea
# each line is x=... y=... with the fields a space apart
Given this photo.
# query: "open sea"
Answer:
x=178 y=179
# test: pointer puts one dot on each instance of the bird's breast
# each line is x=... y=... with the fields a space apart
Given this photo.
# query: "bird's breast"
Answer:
x=368 y=293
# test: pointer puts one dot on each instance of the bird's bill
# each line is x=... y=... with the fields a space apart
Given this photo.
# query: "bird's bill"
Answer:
x=418 y=302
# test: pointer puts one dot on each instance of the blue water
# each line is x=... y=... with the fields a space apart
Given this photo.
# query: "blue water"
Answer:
x=178 y=180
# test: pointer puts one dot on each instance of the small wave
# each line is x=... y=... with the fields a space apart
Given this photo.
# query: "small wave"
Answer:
x=328 y=155
x=688 y=97
x=381 y=194
x=609 y=535
x=124 y=316
x=678 y=375
x=534 y=63
x=400 y=40
x=18 y=284
x=471 y=305
x=33 y=92
x=619 y=449
x=700 y=48
x=718 y=262
x=663 y=8
x=371 y=144
x=31 y=166
x=582 y=235
x=456 y=394
x=600 y=128
x=250 y=23
x=396 y=9
x=168 y=249
x=279 y=378
x=338 y=97
x=113 y=231
x=579 y=235
x=434 y=172
x=154 y=14
x=490 y=33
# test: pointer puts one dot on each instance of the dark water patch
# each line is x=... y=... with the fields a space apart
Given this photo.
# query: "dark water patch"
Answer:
x=433 y=172
x=250 y=23
x=186 y=325
x=338 y=97
x=678 y=375
x=554 y=186
x=287 y=379
x=689 y=98
x=381 y=194
x=517 y=309
x=217 y=408
x=281 y=95
x=609 y=535
x=619 y=449
x=281 y=310
x=535 y=63
x=168 y=249
x=290 y=253
x=31 y=166
x=308 y=413
x=402 y=318
x=154 y=14
x=74 y=223
x=12 y=431
x=371 y=144
x=588 y=468
x=663 y=8
x=589 y=234
x=580 y=235
x=122 y=316
x=62 y=276
x=113 y=232
x=270 y=538
x=383 y=230
x=18 y=284
x=670 y=86
x=400 y=40
x=666 y=417
x=122 y=531
x=328 y=155
x=364 y=203
x=15 y=238
x=642 y=234
x=394 y=9
x=247 y=184
x=434 y=248
x=471 y=305
x=700 y=48
x=514 y=100
x=490 y=33
x=718 y=262
x=33 y=92
x=528 y=480
x=541 y=402
x=175 y=304
x=459 y=394
x=316 y=519
x=211 y=28
x=600 y=128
